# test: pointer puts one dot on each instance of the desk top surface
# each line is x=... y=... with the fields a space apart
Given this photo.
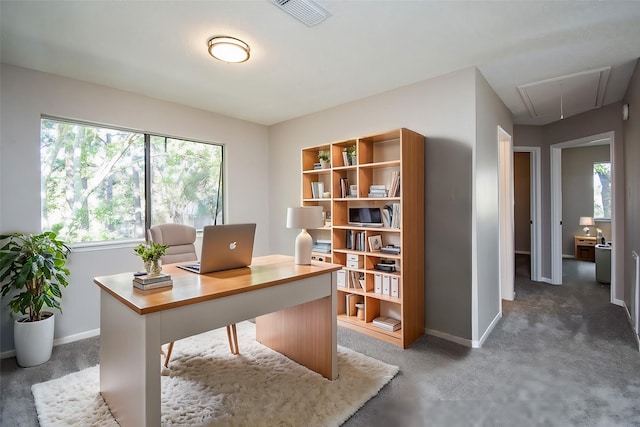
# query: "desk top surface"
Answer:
x=191 y=288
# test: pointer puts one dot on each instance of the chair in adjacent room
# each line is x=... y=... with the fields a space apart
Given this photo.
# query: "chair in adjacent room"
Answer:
x=180 y=239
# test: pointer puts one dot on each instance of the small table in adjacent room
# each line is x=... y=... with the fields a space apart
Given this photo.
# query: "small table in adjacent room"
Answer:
x=585 y=248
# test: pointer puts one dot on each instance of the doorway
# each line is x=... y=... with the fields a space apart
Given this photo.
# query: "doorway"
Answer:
x=534 y=214
x=556 y=206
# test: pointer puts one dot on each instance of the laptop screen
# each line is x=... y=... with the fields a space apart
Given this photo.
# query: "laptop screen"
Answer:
x=365 y=216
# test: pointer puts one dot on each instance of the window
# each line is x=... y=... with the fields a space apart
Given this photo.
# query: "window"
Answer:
x=602 y=190
x=94 y=182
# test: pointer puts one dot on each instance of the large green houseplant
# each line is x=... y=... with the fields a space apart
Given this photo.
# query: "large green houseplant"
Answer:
x=32 y=272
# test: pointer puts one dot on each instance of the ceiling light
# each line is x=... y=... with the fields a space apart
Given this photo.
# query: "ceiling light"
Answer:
x=228 y=49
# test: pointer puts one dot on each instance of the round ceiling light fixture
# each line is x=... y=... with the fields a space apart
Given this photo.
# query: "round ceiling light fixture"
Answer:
x=228 y=49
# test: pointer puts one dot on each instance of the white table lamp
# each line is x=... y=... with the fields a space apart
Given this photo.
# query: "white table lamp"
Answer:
x=587 y=221
x=304 y=217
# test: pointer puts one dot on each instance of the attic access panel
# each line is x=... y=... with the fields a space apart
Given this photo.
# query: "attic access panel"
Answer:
x=566 y=95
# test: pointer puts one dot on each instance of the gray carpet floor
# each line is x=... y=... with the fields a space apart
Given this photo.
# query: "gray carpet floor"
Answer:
x=560 y=356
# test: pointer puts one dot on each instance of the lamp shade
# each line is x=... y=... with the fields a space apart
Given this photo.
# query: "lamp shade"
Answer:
x=305 y=217
x=586 y=220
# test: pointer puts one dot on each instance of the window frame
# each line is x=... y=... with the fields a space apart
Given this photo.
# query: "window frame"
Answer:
x=148 y=204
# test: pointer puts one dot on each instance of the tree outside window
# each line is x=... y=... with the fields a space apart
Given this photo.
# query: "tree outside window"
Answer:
x=602 y=190
x=93 y=182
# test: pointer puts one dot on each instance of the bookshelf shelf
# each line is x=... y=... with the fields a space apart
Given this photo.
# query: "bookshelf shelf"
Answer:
x=380 y=160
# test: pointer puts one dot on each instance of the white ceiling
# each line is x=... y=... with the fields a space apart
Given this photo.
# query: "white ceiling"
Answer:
x=159 y=49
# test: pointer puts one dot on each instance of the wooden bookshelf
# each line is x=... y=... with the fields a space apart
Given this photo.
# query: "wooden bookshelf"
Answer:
x=377 y=158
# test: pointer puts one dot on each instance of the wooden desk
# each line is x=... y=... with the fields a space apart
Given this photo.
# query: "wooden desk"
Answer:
x=294 y=307
x=585 y=248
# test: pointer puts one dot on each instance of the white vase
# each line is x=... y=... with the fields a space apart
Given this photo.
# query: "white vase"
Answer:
x=33 y=340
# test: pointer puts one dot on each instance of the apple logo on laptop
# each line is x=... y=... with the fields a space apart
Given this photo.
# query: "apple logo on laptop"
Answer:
x=233 y=245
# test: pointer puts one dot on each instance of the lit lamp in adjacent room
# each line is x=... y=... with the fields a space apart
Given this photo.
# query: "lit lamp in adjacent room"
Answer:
x=304 y=217
x=587 y=221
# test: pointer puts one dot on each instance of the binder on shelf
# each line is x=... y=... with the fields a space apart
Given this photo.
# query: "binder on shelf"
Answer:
x=395 y=286
x=386 y=285
x=377 y=283
x=341 y=278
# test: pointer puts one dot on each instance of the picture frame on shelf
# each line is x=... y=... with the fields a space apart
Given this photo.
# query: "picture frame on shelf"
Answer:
x=375 y=243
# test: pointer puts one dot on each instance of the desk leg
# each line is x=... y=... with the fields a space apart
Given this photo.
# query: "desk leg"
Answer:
x=129 y=363
x=306 y=333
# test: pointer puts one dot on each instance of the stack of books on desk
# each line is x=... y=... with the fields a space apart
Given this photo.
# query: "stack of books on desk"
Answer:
x=387 y=323
x=147 y=282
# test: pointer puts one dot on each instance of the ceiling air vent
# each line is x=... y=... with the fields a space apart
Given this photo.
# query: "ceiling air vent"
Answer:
x=308 y=12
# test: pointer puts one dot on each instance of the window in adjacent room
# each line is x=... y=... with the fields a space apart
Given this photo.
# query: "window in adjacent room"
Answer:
x=93 y=181
x=602 y=190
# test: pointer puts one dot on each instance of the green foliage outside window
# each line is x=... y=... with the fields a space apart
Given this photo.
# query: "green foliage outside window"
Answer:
x=93 y=182
x=602 y=190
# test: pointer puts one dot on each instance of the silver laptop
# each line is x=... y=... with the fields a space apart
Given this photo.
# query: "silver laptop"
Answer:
x=224 y=247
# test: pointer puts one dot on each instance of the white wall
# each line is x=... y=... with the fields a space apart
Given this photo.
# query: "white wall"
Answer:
x=26 y=95
x=444 y=110
x=490 y=113
x=631 y=184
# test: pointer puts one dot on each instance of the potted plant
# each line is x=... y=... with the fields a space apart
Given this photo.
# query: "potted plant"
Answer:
x=33 y=269
x=150 y=254
x=325 y=160
x=351 y=154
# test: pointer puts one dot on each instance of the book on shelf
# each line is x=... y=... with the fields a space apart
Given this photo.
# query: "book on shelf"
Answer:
x=317 y=189
x=155 y=285
x=147 y=279
x=345 y=158
x=391 y=215
x=344 y=187
x=387 y=323
x=323 y=246
x=376 y=190
x=394 y=184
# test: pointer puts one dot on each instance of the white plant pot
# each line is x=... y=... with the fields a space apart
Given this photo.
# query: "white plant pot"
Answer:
x=33 y=341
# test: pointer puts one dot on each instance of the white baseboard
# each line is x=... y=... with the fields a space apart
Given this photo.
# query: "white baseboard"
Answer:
x=462 y=341
x=487 y=332
x=619 y=302
x=628 y=313
x=59 y=341
x=546 y=280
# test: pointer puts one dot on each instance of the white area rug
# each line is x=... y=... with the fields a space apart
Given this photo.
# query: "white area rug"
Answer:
x=206 y=385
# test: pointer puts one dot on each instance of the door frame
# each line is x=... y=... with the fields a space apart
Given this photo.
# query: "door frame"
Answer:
x=535 y=182
x=556 y=206
x=506 y=227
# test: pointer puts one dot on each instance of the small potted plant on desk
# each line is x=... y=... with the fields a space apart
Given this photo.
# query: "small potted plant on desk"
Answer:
x=151 y=254
x=33 y=269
